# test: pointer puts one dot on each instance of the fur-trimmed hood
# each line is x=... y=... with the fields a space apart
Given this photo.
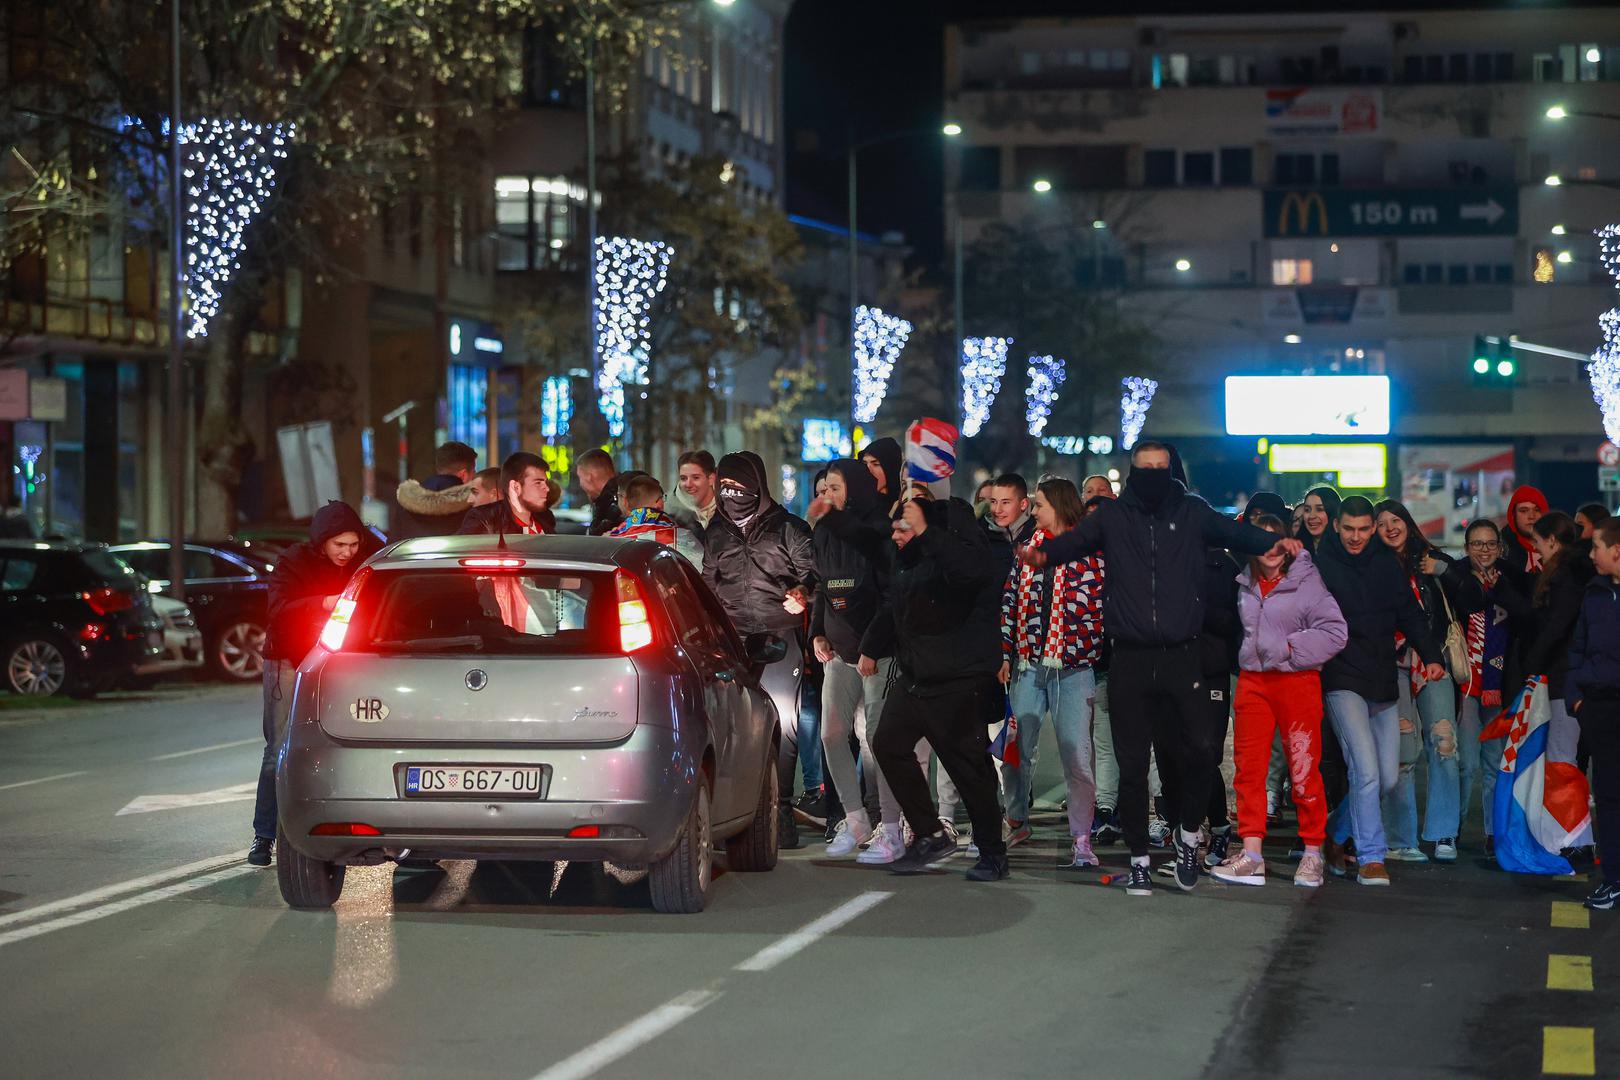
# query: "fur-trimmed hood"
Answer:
x=417 y=499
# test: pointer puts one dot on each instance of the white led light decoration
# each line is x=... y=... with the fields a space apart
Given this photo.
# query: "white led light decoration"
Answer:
x=556 y=407
x=790 y=484
x=878 y=339
x=1046 y=374
x=630 y=273
x=229 y=170
x=1133 y=408
x=1605 y=366
x=984 y=362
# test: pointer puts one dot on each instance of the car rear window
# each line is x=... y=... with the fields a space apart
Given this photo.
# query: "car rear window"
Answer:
x=494 y=612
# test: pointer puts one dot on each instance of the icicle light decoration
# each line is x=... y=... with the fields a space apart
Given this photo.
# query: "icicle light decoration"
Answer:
x=1133 y=408
x=1605 y=365
x=1046 y=374
x=878 y=339
x=556 y=407
x=630 y=273
x=984 y=362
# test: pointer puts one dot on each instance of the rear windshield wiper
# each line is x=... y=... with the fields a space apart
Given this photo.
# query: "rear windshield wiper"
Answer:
x=433 y=644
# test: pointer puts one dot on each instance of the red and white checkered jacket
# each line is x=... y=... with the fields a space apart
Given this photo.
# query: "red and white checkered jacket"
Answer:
x=1074 y=638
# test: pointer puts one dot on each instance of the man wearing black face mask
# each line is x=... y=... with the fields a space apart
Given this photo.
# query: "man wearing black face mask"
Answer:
x=757 y=558
x=1154 y=538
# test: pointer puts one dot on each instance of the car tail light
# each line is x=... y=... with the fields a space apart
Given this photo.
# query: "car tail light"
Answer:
x=490 y=563
x=107 y=601
x=345 y=828
x=585 y=832
x=337 y=626
x=635 y=627
x=92 y=631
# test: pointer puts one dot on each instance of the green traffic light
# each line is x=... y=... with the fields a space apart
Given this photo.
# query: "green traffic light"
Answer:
x=1505 y=369
x=1481 y=364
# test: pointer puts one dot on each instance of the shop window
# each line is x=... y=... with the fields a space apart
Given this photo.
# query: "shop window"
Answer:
x=1291 y=271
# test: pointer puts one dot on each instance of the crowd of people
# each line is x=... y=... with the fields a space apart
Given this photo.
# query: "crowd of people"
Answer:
x=1144 y=625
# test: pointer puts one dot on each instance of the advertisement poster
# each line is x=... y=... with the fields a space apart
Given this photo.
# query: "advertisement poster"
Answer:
x=1448 y=485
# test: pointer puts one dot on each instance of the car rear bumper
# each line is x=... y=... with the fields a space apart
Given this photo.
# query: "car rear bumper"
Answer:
x=180 y=653
x=640 y=788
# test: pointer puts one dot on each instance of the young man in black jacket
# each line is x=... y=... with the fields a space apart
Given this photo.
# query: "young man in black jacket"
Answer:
x=522 y=511
x=599 y=479
x=1154 y=539
x=945 y=614
x=1377 y=600
x=304 y=588
x=757 y=558
x=1593 y=696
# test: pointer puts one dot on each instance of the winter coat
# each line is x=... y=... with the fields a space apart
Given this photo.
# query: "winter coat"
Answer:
x=1594 y=652
x=1375 y=597
x=1298 y=627
x=1222 y=633
x=1552 y=625
x=945 y=603
x=605 y=513
x=1026 y=612
x=496 y=518
x=655 y=525
x=853 y=557
x=1156 y=561
x=1489 y=616
x=432 y=507
x=304 y=577
x=1004 y=542
x=751 y=568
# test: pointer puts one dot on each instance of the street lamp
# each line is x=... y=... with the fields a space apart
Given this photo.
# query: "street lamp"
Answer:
x=951 y=129
x=1557 y=112
x=1566 y=257
x=1183 y=265
x=1042 y=186
x=1558 y=230
x=1560 y=112
x=1554 y=180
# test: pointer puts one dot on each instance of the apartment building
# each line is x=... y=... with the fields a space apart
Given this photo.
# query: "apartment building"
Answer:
x=1324 y=194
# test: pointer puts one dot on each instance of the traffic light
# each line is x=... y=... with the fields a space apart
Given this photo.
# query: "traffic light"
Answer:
x=1492 y=361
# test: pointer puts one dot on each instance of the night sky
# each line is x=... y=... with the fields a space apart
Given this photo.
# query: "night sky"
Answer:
x=880 y=63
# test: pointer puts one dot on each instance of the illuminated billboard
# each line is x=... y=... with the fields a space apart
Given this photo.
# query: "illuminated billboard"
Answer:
x=1307 y=405
x=1358 y=465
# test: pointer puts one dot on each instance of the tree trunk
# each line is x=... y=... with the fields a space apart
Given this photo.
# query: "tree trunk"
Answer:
x=223 y=444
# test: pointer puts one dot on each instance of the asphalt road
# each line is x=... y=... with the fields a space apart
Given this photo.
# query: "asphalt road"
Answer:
x=138 y=944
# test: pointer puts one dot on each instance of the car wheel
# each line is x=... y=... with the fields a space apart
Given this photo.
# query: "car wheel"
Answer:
x=306 y=883
x=238 y=652
x=36 y=667
x=755 y=848
x=680 y=880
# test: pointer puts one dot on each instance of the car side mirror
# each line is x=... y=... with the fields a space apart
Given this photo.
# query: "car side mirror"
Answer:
x=764 y=648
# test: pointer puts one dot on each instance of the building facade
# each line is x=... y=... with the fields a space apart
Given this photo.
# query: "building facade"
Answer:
x=1329 y=195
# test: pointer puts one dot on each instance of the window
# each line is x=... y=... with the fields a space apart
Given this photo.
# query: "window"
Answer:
x=17 y=574
x=1330 y=169
x=1159 y=168
x=496 y=613
x=469 y=405
x=1291 y=271
x=1198 y=169
x=1457 y=67
x=692 y=627
x=535 y=222
x=981 y=168
x=1237 y=166
x=1457 y=274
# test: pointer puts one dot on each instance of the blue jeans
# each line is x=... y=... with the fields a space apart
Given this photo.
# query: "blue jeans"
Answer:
x=1068 y=694
x=1480 y=760
x=1436 y=724
x=1370 y=735
x=810 y=732
x=279 y=679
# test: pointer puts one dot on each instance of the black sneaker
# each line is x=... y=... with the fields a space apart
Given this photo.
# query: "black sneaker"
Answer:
x=923 y=852
x=811 y=808
x=831 y=832
x=259 y=853
x=1186 y=862
x=1139 y=882
x=989 y=868
x=1603 y=897
x=787 y=830
x=1105 y=828
x=1220 y=842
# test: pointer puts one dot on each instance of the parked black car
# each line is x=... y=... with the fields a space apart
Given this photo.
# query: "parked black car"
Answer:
x=226 y=589
x=73 y=618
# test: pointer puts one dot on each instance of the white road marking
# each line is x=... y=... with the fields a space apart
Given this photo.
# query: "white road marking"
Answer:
x=206 y=749
x=107 y=892
x=799 y=940
x=147 y=804
x=604 y=1052
x=42 y=780
x=115 y=907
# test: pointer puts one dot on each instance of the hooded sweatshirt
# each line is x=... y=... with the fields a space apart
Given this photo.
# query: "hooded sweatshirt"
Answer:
x=852 y=561
x=1519 y=550
x=304 y=577
x=755 y=551
x=890 y=457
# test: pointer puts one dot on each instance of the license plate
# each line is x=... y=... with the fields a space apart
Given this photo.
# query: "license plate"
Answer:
x=521 y=782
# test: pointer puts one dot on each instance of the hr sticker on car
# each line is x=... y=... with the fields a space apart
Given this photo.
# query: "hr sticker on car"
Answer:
x=368 y=710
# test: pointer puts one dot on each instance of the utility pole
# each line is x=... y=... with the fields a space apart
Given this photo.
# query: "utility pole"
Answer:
x=174 y=428
x=854 y=265
x=590 y=206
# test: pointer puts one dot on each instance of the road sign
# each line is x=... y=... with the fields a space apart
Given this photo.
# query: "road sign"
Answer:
x=1291 y=212
x=1608 y=478
x=1608 y=453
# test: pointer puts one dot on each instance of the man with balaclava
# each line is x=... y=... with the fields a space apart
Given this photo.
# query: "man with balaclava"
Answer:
x=758 y=560
x=1154 y=537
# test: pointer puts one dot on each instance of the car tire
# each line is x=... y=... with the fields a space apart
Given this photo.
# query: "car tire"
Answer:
x=37 y=667
x=236 y=651
x=680 y=880
x=306 y=884
x=756 y=847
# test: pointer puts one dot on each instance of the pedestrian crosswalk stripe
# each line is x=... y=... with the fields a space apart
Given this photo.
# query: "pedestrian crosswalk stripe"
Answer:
x=1569 y=972
x=1567 y=1051
x=1570 y=915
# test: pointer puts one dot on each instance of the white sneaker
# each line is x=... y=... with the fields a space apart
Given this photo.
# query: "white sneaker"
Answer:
x=1445 y=851
x=851 y=833
x=1407 y=854
x=1159 y=832
x=885 y=848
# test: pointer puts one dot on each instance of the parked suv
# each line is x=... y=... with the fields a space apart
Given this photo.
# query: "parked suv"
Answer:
x=546 y=698
x=227 y=588
x=74 y=619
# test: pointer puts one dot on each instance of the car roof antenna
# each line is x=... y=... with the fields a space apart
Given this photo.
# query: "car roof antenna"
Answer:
x=501 y=530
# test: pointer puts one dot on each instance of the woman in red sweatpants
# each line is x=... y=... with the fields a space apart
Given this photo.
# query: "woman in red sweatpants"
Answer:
x=1291 y=627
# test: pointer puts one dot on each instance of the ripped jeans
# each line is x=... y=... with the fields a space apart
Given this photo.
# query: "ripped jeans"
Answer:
x=1427 y=731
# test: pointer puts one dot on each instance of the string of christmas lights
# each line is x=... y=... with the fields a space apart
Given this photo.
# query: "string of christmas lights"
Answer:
x=630 y=273
x=1605 y=365
x=230 y=171
x=984 y=362
x=878 y=338
x=556 y=407
x=1046 y=374
x=1133 y=408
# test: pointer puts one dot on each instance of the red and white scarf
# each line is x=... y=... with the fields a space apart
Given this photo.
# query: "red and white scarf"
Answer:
x=1028 y=610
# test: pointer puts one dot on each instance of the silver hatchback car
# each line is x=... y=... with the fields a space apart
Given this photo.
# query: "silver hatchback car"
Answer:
x=546 y=698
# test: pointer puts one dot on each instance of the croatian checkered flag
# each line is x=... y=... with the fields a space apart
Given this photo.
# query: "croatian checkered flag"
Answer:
x=931 y=455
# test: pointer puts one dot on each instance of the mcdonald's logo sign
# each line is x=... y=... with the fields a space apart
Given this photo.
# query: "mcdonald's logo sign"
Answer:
x=1299 y=208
